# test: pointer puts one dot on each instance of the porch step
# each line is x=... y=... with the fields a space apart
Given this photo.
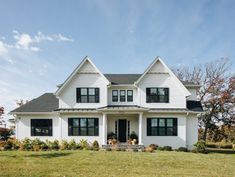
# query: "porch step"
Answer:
x=123 y=146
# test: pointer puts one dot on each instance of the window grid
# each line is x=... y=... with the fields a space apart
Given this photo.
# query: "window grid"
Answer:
x=83 y=126
x=41 y=127
x=122 y=95
x=87 y=95
x=157 y=95
x=115 y=95
x=161 y=126
x=129 y=95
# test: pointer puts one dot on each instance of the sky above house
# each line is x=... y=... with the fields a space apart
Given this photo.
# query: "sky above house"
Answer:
x=41 y=42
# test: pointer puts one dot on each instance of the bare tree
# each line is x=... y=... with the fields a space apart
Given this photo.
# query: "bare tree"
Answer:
x=216 y=93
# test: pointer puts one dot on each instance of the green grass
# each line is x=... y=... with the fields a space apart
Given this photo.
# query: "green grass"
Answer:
x=123 y=164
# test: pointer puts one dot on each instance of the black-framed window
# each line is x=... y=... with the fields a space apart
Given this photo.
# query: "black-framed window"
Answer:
x=129 y=95
x=83 y=126
x=157 y=95
x=115 y=95
x=122 y=95
x=41 y=127
x=162 y=126
x=88 y=95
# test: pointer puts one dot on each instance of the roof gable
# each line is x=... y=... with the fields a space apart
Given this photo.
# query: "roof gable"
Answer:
x=159 y=67
x=85 y=67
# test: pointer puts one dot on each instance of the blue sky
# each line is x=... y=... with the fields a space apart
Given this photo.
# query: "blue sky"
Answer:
x=41 y=42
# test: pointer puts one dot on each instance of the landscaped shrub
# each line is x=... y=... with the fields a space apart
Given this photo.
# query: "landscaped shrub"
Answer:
x=149 y=149
x=55 y=145
x=108 y=149
x=182 y=149
x=154 y=146
x=2 y=144
x=160 y=148
x=200 y=147
x=44 y=146
x=64 y=145
x=167 y=148
x=133 y=138
x=84 y=144
x=36 y=144
x=26 y=144
x=8 y=145
x=72 y=145
x=95 y=145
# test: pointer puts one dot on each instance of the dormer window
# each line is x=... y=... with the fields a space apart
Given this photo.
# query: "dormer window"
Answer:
x=157 y=95
x=122 y=95
x=115 y=96
x=88 y=95
x=129 y=95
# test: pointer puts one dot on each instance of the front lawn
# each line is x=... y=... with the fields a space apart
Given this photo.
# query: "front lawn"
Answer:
x=104 y=163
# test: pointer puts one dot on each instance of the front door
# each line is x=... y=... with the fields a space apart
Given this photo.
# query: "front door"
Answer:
x=122 y=130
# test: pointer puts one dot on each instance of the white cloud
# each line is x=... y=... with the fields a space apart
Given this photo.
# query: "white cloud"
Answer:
x=24 y=41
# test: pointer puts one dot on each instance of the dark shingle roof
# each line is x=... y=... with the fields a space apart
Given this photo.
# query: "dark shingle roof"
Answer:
x=130 y=79
x=122 y=78
x=44 y=103
x=194 y=105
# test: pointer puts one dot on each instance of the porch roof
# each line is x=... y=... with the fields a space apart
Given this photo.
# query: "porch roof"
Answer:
x=123 y=108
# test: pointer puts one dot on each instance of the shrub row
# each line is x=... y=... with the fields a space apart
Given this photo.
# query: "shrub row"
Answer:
x=222 y=145
x=37 y=145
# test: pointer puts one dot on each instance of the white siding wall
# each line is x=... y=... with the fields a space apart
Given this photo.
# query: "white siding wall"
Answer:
x=23 y=128
x=176 y=96
x=192 y=131
x=135 y=96
x=90 y=139
x=174 y=141
x=193 y=95
x=87 y=76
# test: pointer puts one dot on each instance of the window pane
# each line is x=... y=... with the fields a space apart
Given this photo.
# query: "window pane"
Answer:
x=91 y=91
x=84 y=99
x=162 y=131
x=91 y=131
x=154 y=131
x=162 y=98
x=83 y=91
x=115 y=93
x=83 y=131
x=122 y=92
x=153 y=91
x=83 y=122
x=129 y=92
x=161 y=122
x=91 y=99
x=154 y=122
x=75 y=131
x=170 y=131
x=75 y=122
x=91 y=122
x=161 y=91
x=169 y=122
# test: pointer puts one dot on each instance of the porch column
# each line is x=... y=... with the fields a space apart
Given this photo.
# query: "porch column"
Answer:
x=140 y=128
x=104 y=128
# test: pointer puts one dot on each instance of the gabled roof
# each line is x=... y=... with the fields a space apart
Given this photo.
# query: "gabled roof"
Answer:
x=44 y=103
x=86 y=59
x=49 y=103
x=116 y=79
x=158 y=59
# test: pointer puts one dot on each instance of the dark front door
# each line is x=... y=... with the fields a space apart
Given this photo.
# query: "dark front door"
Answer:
x=122 y=130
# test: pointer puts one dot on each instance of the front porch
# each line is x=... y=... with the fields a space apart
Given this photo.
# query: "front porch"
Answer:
x=122 y=124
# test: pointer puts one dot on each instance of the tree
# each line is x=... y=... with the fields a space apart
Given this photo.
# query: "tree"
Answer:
x=2 y=122
x=217 y=92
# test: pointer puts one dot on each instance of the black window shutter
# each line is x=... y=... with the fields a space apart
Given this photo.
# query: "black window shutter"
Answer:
x=148 y=126
x=70 y=124
x=96 y=127
x=147 y=95
x=50 y=127
x=167 y=94
x=78 y=95
x=32 y=127
x=97 y=95
x=175 y=126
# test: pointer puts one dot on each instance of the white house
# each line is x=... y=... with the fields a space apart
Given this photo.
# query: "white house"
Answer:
x=156 y=105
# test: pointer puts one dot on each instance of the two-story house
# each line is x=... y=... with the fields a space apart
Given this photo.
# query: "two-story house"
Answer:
x=156 y=105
